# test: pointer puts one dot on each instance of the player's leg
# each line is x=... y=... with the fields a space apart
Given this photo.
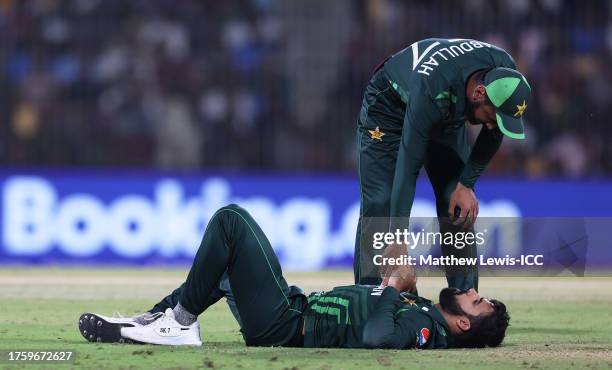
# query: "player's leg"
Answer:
x=269 y=308
x=379 y=129
x=378 y=136
x=99 y=328
x=223 y=290
x=376 y=168
x=444 y=164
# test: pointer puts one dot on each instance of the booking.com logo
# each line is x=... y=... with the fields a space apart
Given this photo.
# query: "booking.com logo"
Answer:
x=36 y=220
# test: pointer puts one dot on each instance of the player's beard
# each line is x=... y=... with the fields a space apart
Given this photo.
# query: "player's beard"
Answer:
x=448 y=301
x=469 y=112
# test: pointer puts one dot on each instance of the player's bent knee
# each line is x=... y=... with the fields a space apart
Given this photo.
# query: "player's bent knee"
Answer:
x=233 y=207
x=377 y=207
x=232 y=211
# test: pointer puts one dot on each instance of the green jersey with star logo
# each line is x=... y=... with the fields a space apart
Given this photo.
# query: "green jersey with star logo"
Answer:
x=368 y=316
x=418 y=95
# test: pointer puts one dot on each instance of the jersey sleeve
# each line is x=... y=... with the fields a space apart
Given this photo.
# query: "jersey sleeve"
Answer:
x=485 y=147
x=389 y=327
x=421 y=115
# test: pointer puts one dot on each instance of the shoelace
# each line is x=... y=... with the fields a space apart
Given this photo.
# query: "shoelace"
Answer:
x=150 y=317
x=154 y=316
x=118 y=315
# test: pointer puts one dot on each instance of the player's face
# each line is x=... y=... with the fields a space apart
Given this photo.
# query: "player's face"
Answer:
x=473 y=304
x=480 y=111
x=464 y=302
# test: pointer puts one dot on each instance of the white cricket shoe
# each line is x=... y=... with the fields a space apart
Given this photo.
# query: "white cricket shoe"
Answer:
x=100 y=328
x=164 y=330
x=117 y=318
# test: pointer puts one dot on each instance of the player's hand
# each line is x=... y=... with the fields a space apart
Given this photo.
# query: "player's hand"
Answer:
x=403 y=277
x=464 y=198
x=402 y=284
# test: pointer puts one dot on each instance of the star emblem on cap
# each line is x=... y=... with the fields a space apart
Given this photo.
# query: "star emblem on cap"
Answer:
x=376 y=134
x=520 y=109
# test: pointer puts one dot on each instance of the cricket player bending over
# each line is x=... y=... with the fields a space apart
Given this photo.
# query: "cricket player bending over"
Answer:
x=272 y=313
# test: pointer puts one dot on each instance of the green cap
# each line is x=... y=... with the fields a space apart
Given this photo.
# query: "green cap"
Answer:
x=509 y=92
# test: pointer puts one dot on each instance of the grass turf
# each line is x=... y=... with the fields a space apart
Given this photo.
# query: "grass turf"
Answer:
x=557 y=323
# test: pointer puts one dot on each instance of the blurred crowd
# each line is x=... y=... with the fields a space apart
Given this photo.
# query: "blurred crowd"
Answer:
x=277 y=84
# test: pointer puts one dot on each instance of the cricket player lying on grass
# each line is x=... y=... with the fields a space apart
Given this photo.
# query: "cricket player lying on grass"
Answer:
x=272 y=313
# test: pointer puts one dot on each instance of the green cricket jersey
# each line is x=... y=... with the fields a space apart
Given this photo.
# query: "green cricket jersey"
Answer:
x=419 y=95
x=369 y=316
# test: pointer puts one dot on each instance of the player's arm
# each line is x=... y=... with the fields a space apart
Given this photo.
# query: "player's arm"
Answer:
x=486 y=144
x=385 y=327
x=381 y=330
x=463 y=197
x=403 y=277
x=421 y=115
x=485 y=147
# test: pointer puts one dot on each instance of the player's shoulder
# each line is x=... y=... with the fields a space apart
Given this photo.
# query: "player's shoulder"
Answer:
x=434 y=70
x=417 y=324
x=501 y=58
x=443 y=58
x=428 y=330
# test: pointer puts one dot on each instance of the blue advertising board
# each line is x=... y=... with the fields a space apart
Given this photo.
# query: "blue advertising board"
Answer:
x=140 y=217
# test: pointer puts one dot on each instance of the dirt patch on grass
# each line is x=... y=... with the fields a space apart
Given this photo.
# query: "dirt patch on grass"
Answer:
x=578 y=353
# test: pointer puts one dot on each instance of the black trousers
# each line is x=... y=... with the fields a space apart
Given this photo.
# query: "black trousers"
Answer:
x=377 y=163
x=235 y=247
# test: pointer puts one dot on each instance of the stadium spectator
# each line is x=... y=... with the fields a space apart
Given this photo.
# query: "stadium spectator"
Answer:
x=275 y=84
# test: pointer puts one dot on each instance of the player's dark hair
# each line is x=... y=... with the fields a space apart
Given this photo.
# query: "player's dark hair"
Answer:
x=479 y=77
x=480 y=74
x=487 y=329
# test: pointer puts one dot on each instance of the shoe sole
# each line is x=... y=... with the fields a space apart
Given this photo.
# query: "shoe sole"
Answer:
x=96 y=329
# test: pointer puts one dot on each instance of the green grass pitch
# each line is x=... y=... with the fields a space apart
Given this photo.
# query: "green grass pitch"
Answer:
x=557 y=323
